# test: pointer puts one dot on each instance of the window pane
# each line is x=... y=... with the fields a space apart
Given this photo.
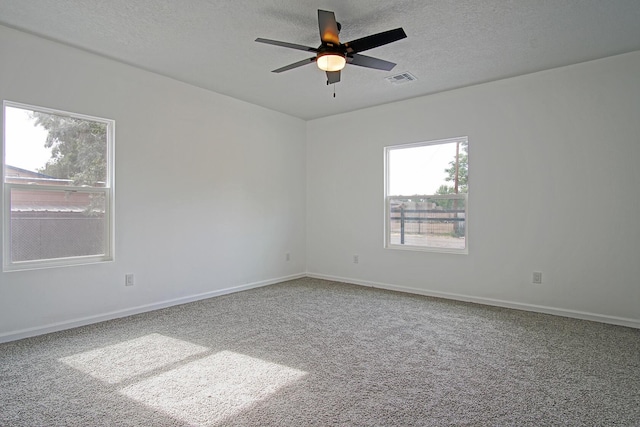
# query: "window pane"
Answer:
x=57 y=187
x=426 y=195
x=54 y=224
x=419 y=170
x=437 y=222
x=52 y=149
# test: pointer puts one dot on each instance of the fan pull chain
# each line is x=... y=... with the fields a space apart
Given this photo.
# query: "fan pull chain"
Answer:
x=334 y=90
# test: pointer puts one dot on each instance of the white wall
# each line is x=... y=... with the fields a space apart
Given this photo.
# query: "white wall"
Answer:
x=210 y=191
x=554 y=177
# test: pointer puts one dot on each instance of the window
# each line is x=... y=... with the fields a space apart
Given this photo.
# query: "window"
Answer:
x=426 y=189
x=57 y=188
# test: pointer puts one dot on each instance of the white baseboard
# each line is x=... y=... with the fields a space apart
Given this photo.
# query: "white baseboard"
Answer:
x=74 y=323
x=632 y=323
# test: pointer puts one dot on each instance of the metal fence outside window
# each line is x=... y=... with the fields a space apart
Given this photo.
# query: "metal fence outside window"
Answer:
x=50 y=235
x=428 y=221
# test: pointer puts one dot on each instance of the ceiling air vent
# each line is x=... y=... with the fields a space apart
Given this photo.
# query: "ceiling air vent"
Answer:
x=402 y=78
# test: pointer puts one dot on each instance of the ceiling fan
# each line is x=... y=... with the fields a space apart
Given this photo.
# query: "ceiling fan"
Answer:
x=332 y=56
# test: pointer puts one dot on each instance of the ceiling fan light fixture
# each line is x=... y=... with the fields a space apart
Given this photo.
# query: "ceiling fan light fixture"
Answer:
x=331 y=61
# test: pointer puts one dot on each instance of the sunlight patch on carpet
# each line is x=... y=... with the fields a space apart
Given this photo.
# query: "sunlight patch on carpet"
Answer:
x=213 y=388
x=115 y=363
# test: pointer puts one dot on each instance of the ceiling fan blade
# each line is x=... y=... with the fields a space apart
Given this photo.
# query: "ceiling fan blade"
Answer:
x=375 y=40
x=295 y=65
x=370 y=62
x=328 y=27
x=286 y=44
x=333 y=77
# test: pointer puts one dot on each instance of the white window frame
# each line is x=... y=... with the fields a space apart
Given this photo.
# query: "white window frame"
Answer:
x=388 y=197
x=107 y=190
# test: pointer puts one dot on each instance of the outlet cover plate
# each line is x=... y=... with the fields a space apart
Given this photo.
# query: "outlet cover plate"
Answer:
x=129 y=280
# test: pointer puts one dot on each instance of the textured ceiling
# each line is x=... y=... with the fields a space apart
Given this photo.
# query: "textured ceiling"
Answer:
x=450 y=44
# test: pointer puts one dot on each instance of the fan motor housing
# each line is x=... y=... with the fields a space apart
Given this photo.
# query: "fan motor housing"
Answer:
x=331 y=49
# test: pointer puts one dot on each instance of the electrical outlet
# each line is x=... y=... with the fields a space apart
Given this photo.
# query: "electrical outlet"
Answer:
x=128 y=280
x=537 y=277
x=287 y=256
x=356 y=259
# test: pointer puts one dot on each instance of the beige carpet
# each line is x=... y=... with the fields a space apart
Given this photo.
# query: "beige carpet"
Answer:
x=318 y=353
